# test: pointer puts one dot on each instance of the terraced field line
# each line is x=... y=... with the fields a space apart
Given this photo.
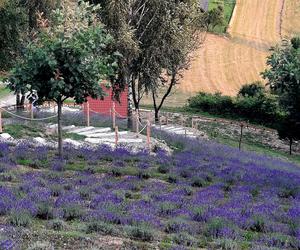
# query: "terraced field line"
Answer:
x=224 y=64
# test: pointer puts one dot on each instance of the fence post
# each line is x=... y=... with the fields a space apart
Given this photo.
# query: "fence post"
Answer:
x=149 y=134
x=116 y=135
x=241 y=136
x=167 y=119
x=137 y=127
x=88 y=114
x=1 y=129
x=114 y=114
x=31 y=111
x=192 y=122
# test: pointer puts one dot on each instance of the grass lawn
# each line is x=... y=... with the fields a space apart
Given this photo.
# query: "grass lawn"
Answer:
x=228 y=10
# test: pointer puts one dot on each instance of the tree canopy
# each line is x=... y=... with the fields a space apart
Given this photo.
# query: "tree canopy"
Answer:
x=284 y=79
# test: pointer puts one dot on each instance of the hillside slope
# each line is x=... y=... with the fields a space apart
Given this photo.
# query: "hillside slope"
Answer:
x=224 y=64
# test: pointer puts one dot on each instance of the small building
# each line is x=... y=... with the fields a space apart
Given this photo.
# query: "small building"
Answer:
x=104 y=106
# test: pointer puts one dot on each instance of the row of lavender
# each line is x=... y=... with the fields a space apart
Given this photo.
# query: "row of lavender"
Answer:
x=202 y=194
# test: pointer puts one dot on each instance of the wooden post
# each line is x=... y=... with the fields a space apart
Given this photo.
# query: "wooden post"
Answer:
x=114 y=114
x=137 y=127
x=192 y=122
x=87 y=114
x=1 y=129
x=149 y=134
x=167 y=119
x=31 y=111
x=185 y=133
x=241 y=136
x=116 y=135
x=54 y=108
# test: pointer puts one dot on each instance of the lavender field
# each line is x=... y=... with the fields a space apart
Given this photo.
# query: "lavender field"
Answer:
x=204 y=195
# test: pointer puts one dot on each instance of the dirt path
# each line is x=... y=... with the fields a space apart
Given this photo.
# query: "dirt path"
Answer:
x=224 y=64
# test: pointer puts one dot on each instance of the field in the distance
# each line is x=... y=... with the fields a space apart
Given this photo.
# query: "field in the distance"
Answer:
x=225 y=63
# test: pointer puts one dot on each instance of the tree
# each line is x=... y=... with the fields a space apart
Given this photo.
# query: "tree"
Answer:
x=172 y=38
x=12 y=23
x=284 y=79
x=68 y=59
x=214 y=17
x=149 y=34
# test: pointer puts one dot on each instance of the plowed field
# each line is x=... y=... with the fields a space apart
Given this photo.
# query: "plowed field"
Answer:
x=225 y=63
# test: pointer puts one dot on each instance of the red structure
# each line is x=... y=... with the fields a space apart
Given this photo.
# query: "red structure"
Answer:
x=104 y=106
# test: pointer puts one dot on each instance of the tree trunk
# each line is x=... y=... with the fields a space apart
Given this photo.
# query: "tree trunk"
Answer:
x=22 y=103
x=59 y=129
x=18 y=101
x=130 y=105
x=156 y=114
x=291 y=144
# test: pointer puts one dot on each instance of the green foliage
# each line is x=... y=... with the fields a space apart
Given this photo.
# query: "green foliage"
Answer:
x=64 y=62
x=67 y=60
x=185 y=239
x=72 y=212
x=214 y=227
x=45 y=211
x=252 y=89
x=56 y=225
x=100 y=227
x=212 y=103
x=12 y=23
x=260 y=108
x=283 y=77
x=228 y=7
x=140 y=232
x=214 y=18
x=163 y=169
x=258 y=225
x=198 y=181
x=19 y=218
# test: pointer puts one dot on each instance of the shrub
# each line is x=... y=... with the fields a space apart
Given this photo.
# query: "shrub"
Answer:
x=262 y=107
x=258 y=224
x=226 y=244
x=212 y=103
x=166 y=208
x=116 y=172
x=198 y=182
x=56 y=190
x=214 y=227
x=72 y=212
x=176 y=225
x=144 y=174
x=85 y=193
x=185 y=239
x=45 y=211
x=252 y=89
x=19 y=218
x=198 y=214
x=57 y=225
x=172 y=178
x=163 y=169
x=99 y=227
x=140 y=232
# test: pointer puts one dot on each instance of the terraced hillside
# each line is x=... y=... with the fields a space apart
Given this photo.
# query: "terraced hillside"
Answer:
x=225 y=63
